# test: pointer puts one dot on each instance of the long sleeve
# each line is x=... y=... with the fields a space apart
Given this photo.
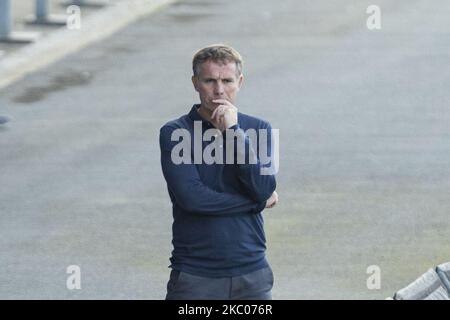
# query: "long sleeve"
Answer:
x=253 y=174
x=189 y=191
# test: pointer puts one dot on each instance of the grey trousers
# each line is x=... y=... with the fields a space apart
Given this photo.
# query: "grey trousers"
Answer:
x=256 y=285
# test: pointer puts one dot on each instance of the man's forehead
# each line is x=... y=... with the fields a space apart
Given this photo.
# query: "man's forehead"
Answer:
x=216 y=68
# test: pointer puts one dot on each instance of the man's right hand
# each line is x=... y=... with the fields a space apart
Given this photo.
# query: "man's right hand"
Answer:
x=272 y=201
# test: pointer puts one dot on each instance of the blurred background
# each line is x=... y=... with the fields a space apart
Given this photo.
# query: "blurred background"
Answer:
x=364 y=142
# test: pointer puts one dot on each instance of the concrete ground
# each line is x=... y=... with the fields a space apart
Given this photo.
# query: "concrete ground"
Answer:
x=364 y=149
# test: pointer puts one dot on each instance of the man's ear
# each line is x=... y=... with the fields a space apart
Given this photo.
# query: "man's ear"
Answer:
x=194 y=82
x=240 y=81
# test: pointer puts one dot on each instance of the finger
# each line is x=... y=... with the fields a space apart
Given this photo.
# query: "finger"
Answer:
x=222 y=101
x=227 y=106
x=220 y=112
x=225 y=103
x=215 y=114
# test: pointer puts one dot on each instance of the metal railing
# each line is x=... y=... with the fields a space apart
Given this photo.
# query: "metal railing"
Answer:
x=42 y=16
x=88 y=3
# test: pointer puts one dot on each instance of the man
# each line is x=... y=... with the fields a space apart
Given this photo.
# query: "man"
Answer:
x=218 y=234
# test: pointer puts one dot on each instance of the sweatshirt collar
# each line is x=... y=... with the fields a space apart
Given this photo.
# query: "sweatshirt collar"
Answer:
x=195 y=116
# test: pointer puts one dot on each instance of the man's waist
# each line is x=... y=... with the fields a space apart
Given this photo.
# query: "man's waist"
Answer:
x=214 y=270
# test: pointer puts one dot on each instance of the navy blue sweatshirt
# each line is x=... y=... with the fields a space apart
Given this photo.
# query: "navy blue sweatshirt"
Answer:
x=218 y=228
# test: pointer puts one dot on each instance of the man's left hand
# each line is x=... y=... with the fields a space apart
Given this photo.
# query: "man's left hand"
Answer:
x=272 y=201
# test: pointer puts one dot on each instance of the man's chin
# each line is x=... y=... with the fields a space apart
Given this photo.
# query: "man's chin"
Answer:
x=211 y=107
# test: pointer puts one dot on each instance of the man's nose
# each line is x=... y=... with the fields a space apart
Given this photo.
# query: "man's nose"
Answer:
x=219 y=89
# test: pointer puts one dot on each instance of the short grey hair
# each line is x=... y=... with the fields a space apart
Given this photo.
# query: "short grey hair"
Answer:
x=217 y=53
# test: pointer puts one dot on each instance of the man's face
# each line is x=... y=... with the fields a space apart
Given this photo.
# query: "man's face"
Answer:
x=217 y=80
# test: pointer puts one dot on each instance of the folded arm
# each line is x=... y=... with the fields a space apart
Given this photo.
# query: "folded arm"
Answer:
x=254 y=175
x=189 y=191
